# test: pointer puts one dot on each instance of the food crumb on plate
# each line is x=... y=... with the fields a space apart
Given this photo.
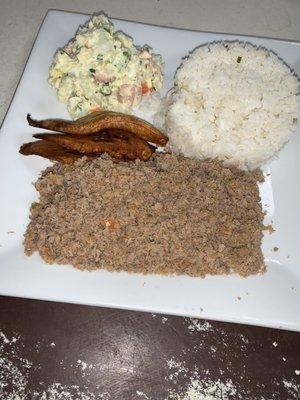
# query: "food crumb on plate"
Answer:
x=269 y=228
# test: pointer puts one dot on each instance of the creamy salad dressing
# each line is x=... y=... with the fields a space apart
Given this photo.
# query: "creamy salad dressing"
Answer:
x=102 y=69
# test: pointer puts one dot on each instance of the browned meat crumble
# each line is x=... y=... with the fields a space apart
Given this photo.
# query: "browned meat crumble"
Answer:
x=170 y=215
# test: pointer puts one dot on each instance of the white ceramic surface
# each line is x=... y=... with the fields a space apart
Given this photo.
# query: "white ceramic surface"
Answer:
x=270 y=300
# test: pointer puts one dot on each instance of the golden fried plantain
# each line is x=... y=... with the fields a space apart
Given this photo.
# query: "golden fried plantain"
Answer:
x=49 y=150
x=96 y=144
x=100 y=121
x=142 y=148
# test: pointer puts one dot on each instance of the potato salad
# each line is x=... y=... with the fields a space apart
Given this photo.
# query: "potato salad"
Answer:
x=101 y=69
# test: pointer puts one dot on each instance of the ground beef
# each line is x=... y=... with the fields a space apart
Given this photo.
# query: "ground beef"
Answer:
x=170 y=215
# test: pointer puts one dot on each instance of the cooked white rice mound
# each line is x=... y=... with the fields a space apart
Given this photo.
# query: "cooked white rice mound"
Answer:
x=232 y=101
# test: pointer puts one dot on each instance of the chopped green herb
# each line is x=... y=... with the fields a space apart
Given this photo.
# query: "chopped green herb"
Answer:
x=99 y=57
x=105 y=89
x=107 y=29
x=153 y=84
x=92 y=70
x=146 y=47
x=239 y=59
x=127 y=55
x=295 y=120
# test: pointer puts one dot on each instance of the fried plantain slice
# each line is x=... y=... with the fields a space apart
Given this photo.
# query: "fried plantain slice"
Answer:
x=49 y=150
x=96 y=144
x=143 y=149
x=100 y=121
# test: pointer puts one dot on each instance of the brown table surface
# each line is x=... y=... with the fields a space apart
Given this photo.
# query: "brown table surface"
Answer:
x=62 y=351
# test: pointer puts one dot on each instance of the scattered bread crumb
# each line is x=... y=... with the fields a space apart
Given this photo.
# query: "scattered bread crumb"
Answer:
x=82 y=365
x=141 y=394
x=197 y=325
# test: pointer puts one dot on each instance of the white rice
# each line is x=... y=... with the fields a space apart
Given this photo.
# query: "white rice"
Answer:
x=232 y=101
x=149 y=107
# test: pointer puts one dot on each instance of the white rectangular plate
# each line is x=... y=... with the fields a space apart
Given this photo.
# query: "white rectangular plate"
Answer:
x=272 y=299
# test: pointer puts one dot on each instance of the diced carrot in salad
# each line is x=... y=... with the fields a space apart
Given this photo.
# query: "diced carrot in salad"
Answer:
x=145 y=88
